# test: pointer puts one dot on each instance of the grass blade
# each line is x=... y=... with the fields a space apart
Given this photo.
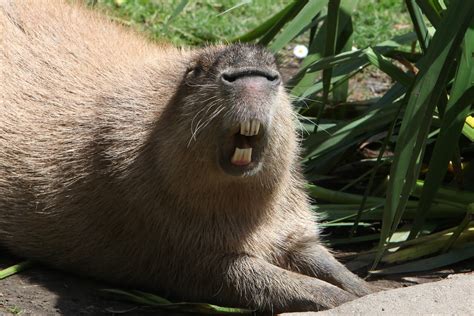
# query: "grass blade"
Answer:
x=458 y=231
x=455 y=255
x=136 y=298
x=15 y=269
x=457 y=109
x=179 y=8
x=349 y=132
x=427 y=248
x=341 y=92
x=332 y=21
x=468 y=128
x=378 y=164
x=266 y=26
x=288 y=16
x=149 y=299
x=418 y=24
x=432 y=9
x=384 y=48
x=303 y=80
x=431 y=79
x=298 y=23
x=446 y=194
x=390 y=69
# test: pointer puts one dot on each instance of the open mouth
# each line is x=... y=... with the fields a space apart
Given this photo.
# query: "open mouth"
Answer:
x=242 y=149
x=243 y=140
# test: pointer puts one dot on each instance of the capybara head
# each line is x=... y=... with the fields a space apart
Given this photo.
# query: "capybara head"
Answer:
x=235 y=103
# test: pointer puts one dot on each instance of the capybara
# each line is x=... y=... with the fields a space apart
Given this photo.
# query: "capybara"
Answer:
x=166 y=169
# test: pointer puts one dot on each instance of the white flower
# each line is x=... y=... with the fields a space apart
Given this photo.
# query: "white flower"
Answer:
x=300 y=51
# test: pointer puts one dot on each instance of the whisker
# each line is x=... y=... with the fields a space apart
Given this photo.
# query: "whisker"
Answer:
x=300 y=118
x=213 y=116
x=199 y=126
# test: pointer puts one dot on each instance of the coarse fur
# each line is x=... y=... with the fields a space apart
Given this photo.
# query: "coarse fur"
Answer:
x=109 y=166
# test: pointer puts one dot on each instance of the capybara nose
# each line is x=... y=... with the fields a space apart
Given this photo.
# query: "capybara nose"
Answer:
x=250 y=77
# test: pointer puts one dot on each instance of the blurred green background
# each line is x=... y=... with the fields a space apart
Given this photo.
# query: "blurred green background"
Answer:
x=209 y=21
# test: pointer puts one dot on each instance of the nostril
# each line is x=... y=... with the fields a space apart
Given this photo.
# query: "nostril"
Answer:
x=273 y=78
x=230 y=77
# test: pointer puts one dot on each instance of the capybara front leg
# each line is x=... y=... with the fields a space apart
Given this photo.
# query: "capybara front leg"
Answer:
x=257 y=284
x=313 y=259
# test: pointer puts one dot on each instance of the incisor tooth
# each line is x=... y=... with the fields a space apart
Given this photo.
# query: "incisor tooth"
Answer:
x=237 y=155
x=255 y=127
x=241 y=156
x=245 y=128
x=247 y=156
x=252 y=127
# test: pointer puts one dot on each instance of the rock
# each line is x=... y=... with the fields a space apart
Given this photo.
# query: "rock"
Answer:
x=451 y=296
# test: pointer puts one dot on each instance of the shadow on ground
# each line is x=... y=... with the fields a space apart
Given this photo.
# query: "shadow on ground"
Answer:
x=44 y=291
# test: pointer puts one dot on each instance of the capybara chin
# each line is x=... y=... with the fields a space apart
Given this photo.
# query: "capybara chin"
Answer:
x=153 y=167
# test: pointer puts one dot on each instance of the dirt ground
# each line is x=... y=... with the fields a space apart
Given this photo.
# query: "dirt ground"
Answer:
x=43 y=291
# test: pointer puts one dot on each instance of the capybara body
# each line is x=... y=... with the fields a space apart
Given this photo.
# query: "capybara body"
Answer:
x=153 y=167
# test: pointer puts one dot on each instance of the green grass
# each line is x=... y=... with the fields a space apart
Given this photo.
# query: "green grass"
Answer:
x=204 y=21
x=200 y=21
x=15 y=310
x=378 y=20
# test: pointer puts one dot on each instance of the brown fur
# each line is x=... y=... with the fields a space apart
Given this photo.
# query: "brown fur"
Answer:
x=100 y=173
